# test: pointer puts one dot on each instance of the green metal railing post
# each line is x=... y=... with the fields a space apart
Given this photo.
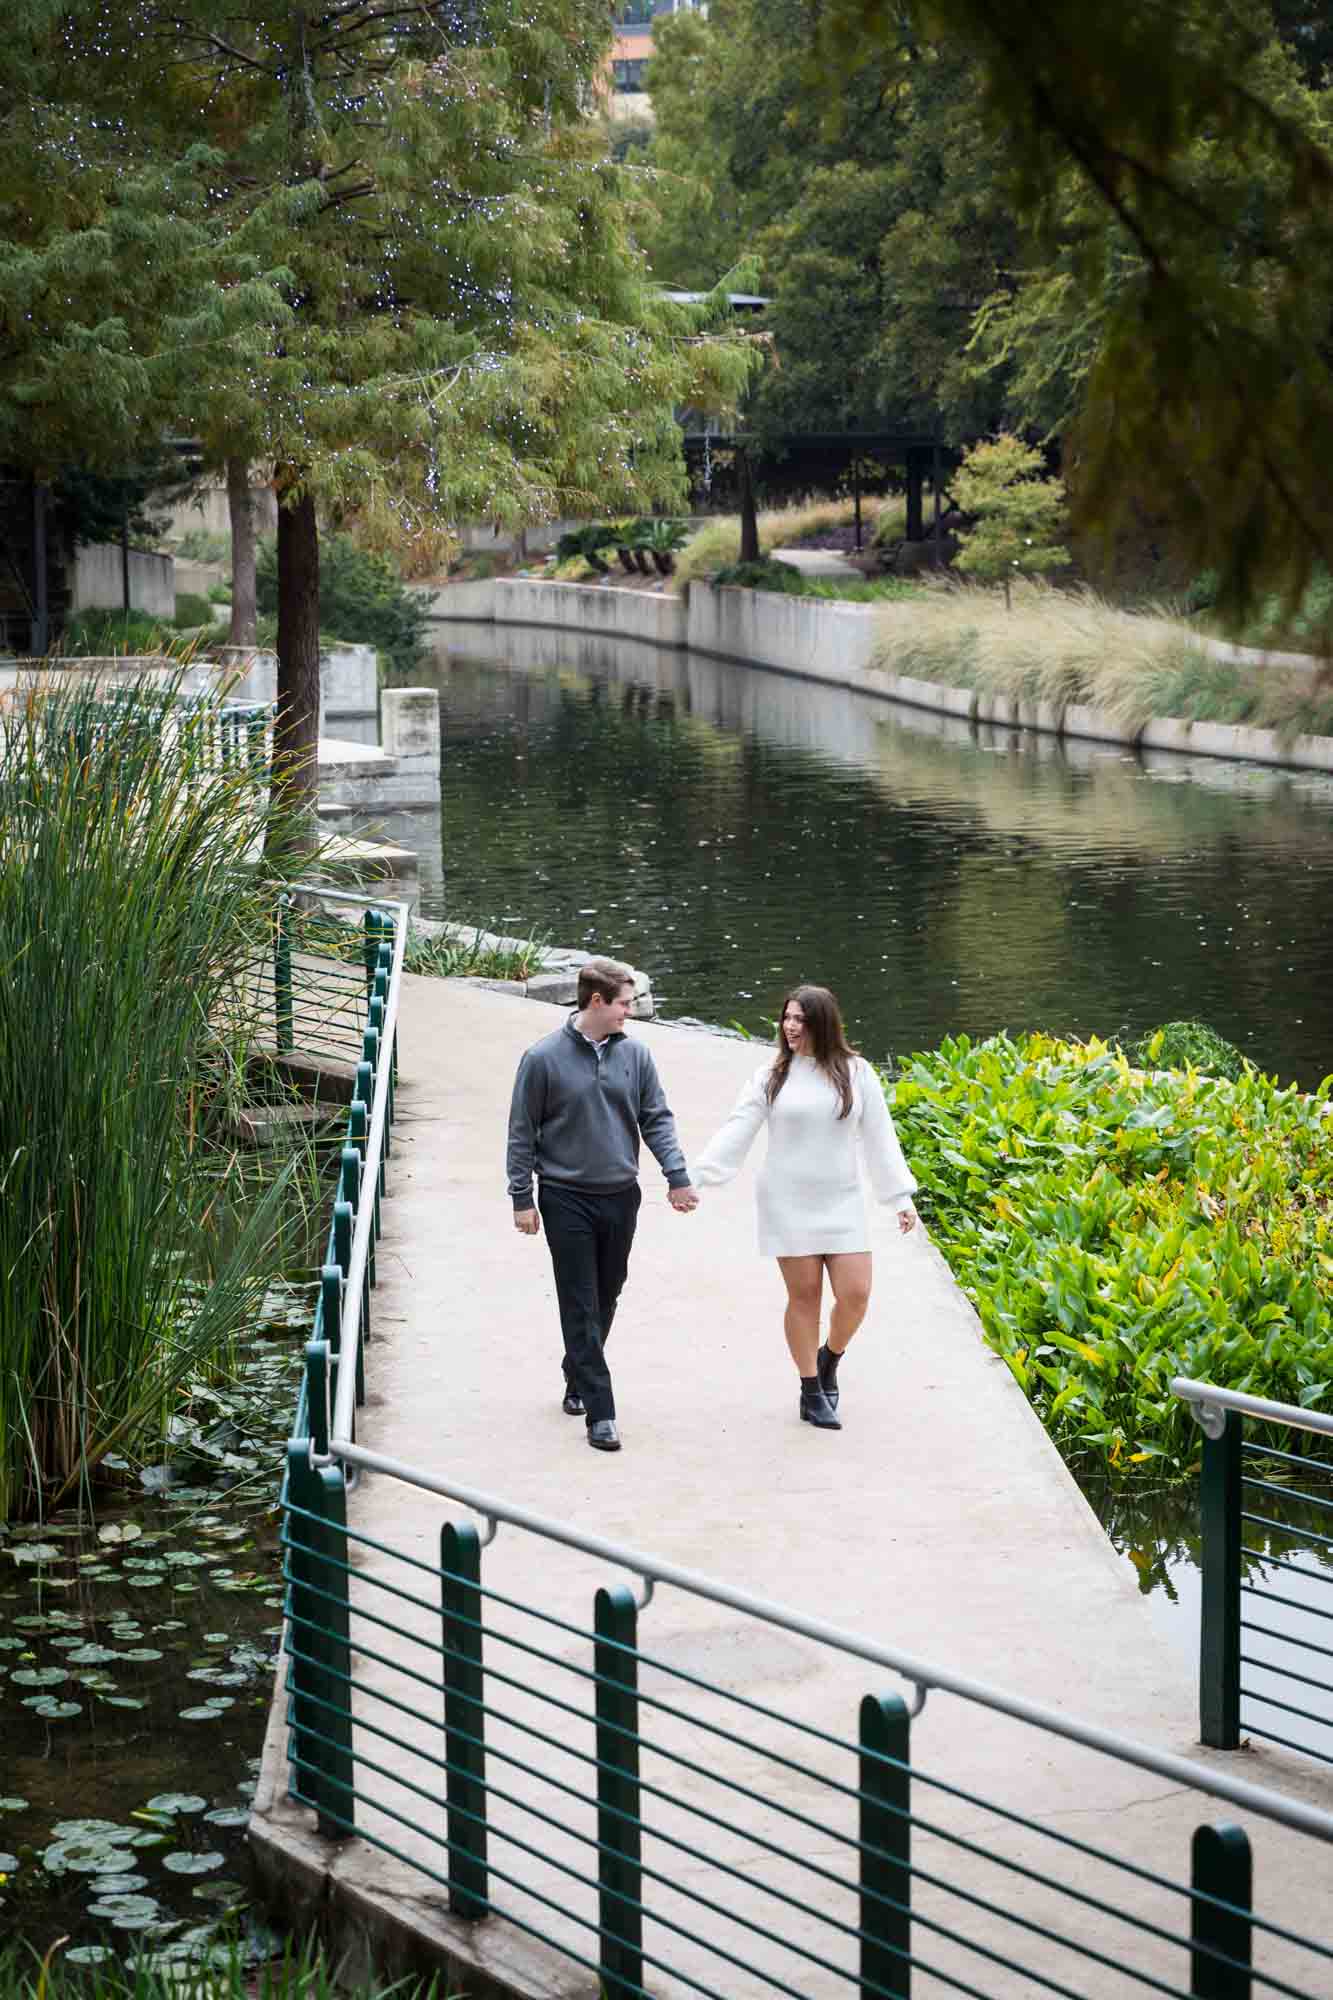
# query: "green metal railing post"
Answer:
x=317 y=1395
x=886 y=1846
x=619 y=1874
x=343 y=1220
x=1221 y=1867
x=331 y=1318
x=336 y=1645
x=349 y=1187
x=358 y=1131
x=388 y=932
x=370 y=949
x=1219 y=1624
x=464 y=1720
x=283 y=1029
x=364 y=1089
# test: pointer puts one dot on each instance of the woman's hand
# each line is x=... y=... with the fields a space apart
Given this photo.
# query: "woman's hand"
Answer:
x=906 y=1220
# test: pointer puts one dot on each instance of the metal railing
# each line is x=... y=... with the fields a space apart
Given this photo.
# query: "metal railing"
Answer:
x=1267 y=1532
x=669 y=1833
x=336 y=1001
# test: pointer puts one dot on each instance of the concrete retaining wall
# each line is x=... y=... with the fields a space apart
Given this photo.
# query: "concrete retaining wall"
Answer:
x=836 y=643
x=571 y=607
x=97 y=582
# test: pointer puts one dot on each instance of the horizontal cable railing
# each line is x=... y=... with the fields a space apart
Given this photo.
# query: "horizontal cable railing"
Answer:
x=1266 y=1634
x=668 y=1832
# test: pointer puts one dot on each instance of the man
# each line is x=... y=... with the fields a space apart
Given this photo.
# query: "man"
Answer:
x=582 y=1098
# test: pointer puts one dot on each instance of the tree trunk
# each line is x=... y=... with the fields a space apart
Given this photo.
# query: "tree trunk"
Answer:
x=749 y=518
x=295 y=788
x=241 y=507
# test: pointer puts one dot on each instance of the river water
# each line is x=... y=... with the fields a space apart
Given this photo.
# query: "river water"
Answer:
x=733 y=831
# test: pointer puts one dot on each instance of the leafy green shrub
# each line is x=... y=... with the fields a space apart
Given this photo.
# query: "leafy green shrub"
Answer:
x=192 y=611
x=219 y=593
x=588 y=541
x=1189 y=1045
x=1202 y=592
x=1115 y=1229
x=456 y=956
x=361 y=598
x=103 y=634
x=766 y=574
x=862 y=590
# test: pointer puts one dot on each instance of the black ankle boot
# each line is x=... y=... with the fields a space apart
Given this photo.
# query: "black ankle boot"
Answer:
x=826 y=1374
x=815 y=1406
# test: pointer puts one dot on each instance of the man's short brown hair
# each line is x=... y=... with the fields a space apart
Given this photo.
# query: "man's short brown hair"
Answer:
x=604 y=976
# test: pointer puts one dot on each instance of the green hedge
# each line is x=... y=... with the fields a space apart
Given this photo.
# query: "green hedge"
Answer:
x=1115 y=1228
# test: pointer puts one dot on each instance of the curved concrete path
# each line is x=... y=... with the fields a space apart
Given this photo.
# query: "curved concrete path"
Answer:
x=940 y=1520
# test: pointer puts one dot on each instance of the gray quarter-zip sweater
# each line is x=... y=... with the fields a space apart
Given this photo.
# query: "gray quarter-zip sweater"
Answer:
x=576 y=1118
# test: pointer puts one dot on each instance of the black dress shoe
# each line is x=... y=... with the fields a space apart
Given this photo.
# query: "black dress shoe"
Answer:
x=573 y=1403
x=828 y=1383
x=816 y=1409
x=603 y=1435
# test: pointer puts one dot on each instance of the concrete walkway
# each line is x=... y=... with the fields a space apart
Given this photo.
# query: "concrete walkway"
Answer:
x=821 y=562
x=940 y=1520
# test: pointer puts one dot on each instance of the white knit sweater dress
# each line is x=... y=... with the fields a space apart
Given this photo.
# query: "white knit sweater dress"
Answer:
x=809 y=1196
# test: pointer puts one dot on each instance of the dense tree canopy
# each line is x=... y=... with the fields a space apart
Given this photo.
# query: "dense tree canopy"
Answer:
x=1110 y=224
x=374 y=247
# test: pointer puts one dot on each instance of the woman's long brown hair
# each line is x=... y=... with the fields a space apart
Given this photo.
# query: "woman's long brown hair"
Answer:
x=828 y=1043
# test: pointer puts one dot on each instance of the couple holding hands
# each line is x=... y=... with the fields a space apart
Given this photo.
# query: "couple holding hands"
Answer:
x=584 y=1096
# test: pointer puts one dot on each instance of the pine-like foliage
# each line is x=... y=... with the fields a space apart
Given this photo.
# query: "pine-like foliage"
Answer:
x=1018 y=516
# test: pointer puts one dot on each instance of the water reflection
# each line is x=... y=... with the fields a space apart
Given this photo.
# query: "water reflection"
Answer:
x=734 y=830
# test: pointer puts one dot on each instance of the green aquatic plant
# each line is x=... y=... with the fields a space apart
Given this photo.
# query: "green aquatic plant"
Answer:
x=131 y=922
x=1189 y=1045
x=1115 y=1228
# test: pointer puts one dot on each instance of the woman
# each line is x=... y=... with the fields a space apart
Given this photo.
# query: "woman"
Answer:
x=817 y=1097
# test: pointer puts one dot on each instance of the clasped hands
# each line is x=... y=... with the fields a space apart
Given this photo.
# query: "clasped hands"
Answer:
x=682 y=1199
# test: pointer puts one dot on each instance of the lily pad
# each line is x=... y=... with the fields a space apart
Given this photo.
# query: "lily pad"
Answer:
x=142 y=1653
x=119 y=1531
x=111 y=1830
x=90 y=1655
x=228 y=1816
x=201 y=1714
x=13 y=1805
x=56 y=1711
x=89 y=1954
x=183 y=1863
x=177 y=1802
x=35 y=1552
x=8 y=1864
x=124 y=1701
x=39 y=1677
x=118 y=1885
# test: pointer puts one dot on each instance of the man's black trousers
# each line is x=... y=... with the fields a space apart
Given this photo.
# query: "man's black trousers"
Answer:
x=589 y=1237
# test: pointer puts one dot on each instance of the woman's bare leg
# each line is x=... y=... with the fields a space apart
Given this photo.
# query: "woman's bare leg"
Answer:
x=804 y=1279
x=849 y=1275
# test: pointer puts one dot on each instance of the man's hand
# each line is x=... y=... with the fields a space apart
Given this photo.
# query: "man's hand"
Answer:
x=528 y=1220
x=907 y=1220
x=683 y=1199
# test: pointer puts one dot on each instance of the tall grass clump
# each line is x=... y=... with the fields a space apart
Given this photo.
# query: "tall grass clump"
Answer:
x=1116 y=1227
x=717 y=543
x=1062 y=646
x=131 y=916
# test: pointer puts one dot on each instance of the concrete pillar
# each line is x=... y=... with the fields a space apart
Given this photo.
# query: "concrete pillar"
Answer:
x=410 y=728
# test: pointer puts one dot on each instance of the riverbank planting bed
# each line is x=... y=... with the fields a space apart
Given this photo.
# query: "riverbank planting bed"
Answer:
x=1115 y=1228
x=1059 y=646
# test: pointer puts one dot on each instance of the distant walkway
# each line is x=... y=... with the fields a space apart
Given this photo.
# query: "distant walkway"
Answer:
x=940 y=1520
